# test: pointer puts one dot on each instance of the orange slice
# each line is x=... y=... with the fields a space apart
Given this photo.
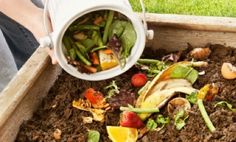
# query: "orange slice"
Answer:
x=122 y=134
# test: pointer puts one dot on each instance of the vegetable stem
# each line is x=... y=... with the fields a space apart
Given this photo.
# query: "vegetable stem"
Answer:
x=148 y=61
x=98 y=48
x=107 y=27
x=205 y=115
x=66 y=42
x=140 y=110
x=84 y=27
x=81 y=48
x=82 y=58
x=72 y=53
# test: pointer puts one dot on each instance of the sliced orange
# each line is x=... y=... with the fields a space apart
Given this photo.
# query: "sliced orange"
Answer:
x=107 y=61
x=122 y=134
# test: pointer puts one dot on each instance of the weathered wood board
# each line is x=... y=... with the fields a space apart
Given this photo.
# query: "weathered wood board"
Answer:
x=24 y=93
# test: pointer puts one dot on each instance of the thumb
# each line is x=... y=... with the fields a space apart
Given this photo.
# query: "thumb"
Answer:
x=52 y=56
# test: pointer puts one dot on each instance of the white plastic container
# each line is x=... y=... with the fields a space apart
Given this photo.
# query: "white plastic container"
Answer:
x=64 y=12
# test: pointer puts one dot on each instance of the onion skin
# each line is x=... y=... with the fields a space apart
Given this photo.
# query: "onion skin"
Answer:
x=228 y=71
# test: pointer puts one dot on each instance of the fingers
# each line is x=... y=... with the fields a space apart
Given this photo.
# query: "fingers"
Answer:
x=52 y=56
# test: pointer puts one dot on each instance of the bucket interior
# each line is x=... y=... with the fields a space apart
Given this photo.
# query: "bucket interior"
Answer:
x=135 y=52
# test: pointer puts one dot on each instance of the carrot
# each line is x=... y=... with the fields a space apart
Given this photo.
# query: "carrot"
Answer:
x=98 y=20
x=95 y=59
x=108 y=51
x=93 y=96
x=90 y=69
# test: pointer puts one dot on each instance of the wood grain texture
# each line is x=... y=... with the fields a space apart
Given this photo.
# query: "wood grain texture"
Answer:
x=21 y=84
x=172 y=32
x=205 y=23
x=174 y=39
x=29 y=104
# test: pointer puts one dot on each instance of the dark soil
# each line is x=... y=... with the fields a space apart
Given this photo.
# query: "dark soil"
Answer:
x=56 y=111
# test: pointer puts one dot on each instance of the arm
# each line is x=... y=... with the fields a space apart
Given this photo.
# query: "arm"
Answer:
x=25 y=13
x=28 y=15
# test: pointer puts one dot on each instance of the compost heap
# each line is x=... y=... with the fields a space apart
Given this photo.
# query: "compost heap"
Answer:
x=77 y=110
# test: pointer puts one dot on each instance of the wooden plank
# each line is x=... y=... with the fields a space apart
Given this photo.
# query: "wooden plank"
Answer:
x=21 y=84
x=205 y=23
x=174 y=39
x=29 y=103
x=172 y=32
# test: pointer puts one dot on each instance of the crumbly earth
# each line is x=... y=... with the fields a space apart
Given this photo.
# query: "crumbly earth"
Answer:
x=56 y=111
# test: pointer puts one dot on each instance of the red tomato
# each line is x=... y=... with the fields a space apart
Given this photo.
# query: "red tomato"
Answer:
x=93 y=96
x=130 y=119
x=138 y=80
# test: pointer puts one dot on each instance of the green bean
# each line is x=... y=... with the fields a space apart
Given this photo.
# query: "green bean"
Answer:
x=99 y=42
x=81 y=48
x=98 y=48
x=88 y=43
x=72 y=53
x=107 y=27
x=82 y=58
x=66 y=42
x=95 y=37
x=149 y=61
x=84 y=27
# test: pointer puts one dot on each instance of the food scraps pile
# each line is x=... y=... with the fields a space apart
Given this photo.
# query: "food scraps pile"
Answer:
x=183 y=96
x=99 y=41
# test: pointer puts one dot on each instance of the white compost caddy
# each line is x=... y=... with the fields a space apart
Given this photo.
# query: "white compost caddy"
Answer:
x=63 y=12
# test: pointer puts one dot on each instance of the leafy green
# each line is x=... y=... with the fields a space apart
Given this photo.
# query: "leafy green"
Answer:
x=180 y=118
x=151 y=124
x=162 y=121
x=112 y=89
x=192 y=98
x=128 y=38
x=93 y=136
x=182 y=71
x=151 y=66
x=117 y=28
x=224 y=103
x=88 y=43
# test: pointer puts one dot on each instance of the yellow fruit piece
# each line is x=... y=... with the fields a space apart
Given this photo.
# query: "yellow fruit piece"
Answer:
x=122 y=134
x=107 y=61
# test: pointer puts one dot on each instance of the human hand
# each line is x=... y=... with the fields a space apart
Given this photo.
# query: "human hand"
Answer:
x=41 y=32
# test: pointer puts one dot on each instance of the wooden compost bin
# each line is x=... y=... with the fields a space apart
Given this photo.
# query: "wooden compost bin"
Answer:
x=26 y=90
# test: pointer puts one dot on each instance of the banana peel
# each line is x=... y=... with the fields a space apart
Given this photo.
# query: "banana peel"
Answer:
x=178 y=77
x=161 y=96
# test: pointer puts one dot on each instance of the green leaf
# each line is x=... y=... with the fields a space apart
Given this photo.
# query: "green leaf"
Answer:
x=117 y=28
x=182 y=71
x=224 y=103
x=151 y=66
x=192 y=98
x=128 y=38
x=162 y=121
x=180 y=119
x=93 y=136
x=88 y=43
x=151 y=124
x=112 y=89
